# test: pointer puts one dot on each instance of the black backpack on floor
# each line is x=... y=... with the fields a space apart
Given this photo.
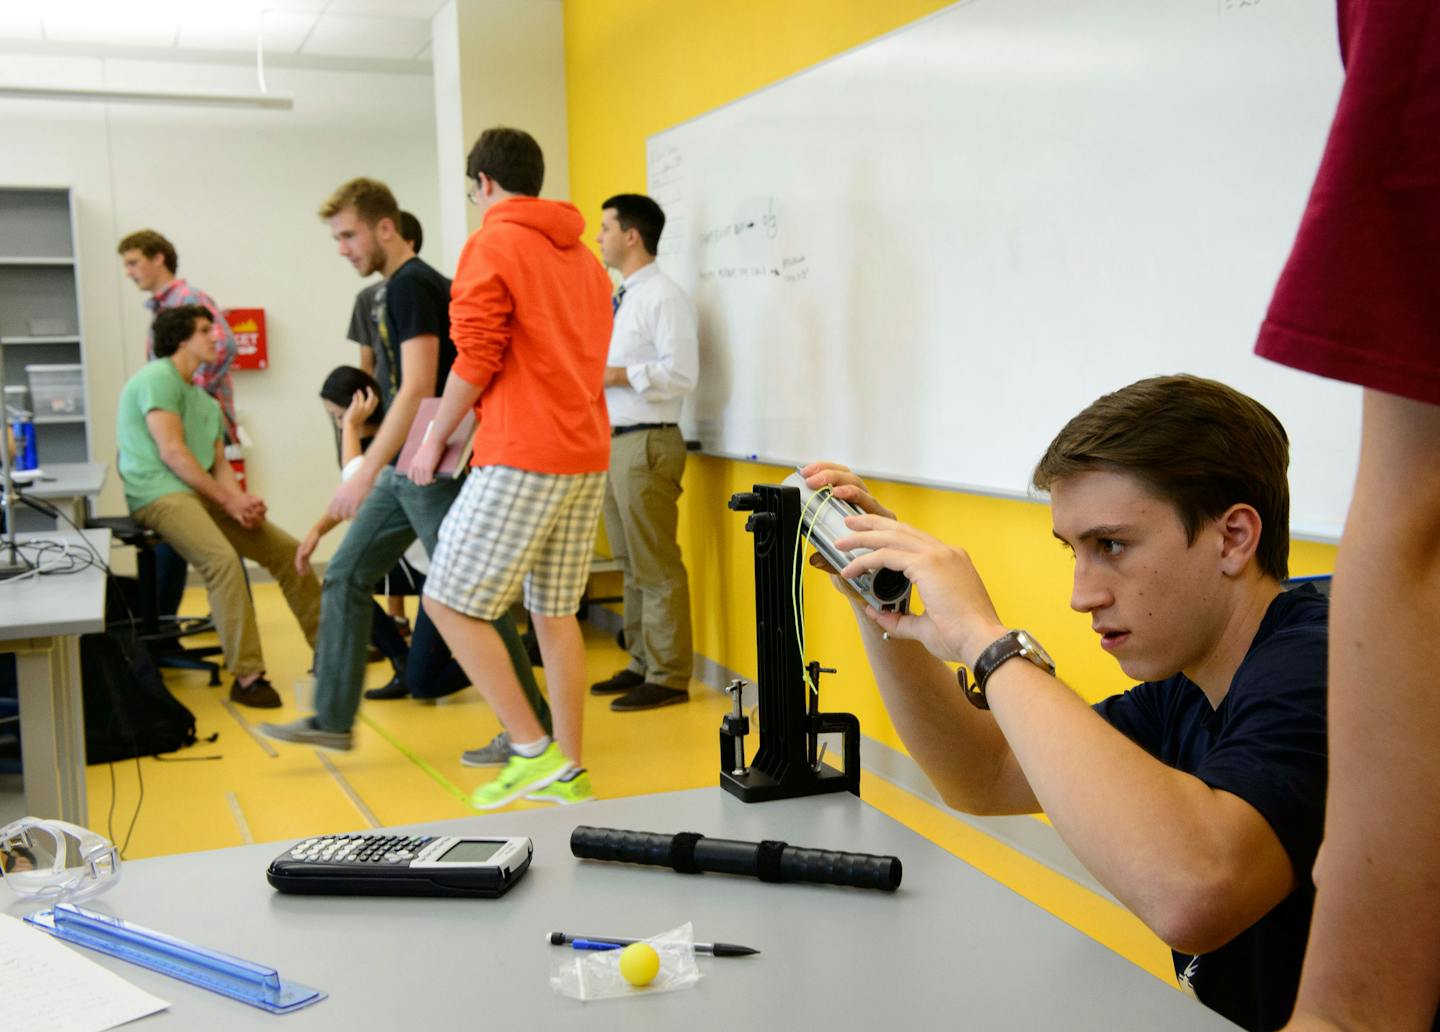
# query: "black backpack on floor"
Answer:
x=128 y=710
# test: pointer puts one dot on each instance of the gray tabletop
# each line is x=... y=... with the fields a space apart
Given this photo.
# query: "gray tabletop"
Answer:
x=69 y=480
x=951 y=948
x=73 y=603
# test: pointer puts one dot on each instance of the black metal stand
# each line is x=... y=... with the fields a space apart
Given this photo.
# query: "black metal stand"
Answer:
x=786 y=764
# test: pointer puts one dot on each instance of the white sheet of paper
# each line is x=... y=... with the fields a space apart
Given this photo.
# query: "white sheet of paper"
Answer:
x=58 y=989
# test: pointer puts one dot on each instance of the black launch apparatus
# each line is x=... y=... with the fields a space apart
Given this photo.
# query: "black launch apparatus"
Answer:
x=788 y=762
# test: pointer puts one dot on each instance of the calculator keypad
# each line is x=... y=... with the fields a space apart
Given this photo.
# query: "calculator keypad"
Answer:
x=359 y=848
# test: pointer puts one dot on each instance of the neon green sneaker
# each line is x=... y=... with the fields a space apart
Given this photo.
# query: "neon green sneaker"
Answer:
x=522 y=774
x=574 y=788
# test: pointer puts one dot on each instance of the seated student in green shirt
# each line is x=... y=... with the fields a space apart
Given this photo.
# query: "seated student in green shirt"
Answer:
x=178 y=484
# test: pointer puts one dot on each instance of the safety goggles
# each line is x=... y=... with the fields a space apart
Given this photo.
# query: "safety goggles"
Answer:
x=56 y=861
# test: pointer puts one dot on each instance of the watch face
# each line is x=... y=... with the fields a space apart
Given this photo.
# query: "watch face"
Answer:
x=1032 y=647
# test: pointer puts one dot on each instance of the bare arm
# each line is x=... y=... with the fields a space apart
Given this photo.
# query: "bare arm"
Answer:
x=1196 y=864
x=367 y=359
x=419 y=357
x=220 y=487
x=352 y=424
x=1378 y=874
x=322 y=526
x=960 y=748
x=459 y=398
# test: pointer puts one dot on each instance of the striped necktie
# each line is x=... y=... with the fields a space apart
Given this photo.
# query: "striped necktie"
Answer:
x=615 y=301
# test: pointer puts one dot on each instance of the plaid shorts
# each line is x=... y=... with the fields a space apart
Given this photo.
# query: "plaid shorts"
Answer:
x=510 y=526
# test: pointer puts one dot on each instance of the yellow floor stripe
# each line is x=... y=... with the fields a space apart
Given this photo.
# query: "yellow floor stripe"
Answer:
x=260 y=740
x=240 y=821
x=348 y=789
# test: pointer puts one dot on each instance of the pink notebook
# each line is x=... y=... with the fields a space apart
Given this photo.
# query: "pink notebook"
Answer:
x=457 y=449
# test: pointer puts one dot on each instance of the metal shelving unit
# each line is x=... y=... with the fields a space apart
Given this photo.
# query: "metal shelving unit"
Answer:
x=40 y=321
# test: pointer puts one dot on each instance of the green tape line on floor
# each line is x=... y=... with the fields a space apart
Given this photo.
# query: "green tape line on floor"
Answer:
x=440 y=779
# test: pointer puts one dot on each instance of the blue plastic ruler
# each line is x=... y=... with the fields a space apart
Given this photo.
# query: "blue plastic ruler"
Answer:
x=255 y=984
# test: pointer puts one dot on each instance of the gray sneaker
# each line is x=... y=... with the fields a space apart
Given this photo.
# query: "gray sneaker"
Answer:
x=496 y=754
x=304 y=732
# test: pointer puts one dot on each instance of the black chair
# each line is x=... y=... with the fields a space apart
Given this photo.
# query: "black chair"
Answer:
x=161 y=635
x=1320 y=582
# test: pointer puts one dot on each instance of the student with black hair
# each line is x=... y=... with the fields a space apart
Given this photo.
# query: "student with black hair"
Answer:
x=352 y=400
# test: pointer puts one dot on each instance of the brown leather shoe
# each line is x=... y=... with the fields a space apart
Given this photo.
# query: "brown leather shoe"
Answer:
x=621 y=682
x=260 y=694
x=649 y=696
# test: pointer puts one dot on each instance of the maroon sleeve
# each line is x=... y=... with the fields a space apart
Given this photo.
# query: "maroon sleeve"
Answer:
x=1359 y=299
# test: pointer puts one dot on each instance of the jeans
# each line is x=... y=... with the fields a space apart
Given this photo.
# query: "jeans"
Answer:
x=395 y=514
x=433 y=673
x=386 y=637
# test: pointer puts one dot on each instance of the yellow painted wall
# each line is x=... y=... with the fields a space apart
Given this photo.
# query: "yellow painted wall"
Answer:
x=636 y=67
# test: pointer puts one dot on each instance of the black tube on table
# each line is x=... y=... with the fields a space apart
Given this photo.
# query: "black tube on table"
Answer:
x=769 y=861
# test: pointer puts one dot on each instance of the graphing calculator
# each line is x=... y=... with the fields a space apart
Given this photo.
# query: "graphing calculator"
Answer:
x=365 y=864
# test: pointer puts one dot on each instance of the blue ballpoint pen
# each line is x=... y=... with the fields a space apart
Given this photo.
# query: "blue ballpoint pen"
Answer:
x=596 y=942
x=591 y=944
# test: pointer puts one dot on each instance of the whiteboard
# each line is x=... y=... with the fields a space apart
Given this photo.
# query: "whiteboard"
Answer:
x=924 y=256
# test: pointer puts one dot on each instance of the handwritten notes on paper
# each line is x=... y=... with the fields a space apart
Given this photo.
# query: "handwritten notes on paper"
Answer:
x=58 y=989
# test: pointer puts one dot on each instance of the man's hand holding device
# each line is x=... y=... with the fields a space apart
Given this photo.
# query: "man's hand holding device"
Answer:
x=959 y=620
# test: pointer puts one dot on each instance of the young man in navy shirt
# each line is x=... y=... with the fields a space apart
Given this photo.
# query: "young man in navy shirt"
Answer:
x=1197 y=797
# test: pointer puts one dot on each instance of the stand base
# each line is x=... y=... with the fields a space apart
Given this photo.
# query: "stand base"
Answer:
x=11 y=565
x=755 y=786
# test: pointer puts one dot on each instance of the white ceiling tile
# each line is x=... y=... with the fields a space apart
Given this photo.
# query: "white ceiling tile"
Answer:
x=233 y=29
x=424 y=54
x=391 y=8
x=341 y=35
x=16 y=24
x=112 y=28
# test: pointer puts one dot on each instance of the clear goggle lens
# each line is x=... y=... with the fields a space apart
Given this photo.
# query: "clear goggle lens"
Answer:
x=55 y=860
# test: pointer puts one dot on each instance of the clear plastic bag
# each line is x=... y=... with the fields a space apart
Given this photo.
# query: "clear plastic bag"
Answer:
x=583 y=975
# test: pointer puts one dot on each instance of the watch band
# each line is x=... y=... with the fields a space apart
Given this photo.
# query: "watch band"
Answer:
x=1002 y=649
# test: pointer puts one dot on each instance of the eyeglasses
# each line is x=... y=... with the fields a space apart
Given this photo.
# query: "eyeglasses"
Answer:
x=55 y=860
x=472 y=191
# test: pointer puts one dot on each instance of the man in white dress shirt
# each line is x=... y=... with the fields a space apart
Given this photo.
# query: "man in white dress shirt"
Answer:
x=652 y=366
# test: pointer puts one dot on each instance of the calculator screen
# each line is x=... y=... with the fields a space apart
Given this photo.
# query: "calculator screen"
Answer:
x=470 y=852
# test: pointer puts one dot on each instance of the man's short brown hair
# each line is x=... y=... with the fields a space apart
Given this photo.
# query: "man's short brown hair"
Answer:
x=370 y=198
x=511 y=157
x=150 y=243
x=1198 y=444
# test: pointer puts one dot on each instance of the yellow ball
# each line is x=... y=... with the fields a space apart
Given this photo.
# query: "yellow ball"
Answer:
x=639 y=963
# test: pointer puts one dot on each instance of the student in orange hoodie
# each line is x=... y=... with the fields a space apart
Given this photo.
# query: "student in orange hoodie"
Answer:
x=530 y=316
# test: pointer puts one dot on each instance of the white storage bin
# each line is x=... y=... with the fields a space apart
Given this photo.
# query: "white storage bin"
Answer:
x=56 y=390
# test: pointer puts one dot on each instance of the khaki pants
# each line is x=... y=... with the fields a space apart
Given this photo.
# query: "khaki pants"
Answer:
x=209 y=540
x=641 y=514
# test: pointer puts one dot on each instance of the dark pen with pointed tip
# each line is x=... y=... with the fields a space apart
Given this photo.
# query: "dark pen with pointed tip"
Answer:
x=718 y=949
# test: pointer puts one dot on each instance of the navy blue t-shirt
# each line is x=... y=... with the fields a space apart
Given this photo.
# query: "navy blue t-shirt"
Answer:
x=1265 y=744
